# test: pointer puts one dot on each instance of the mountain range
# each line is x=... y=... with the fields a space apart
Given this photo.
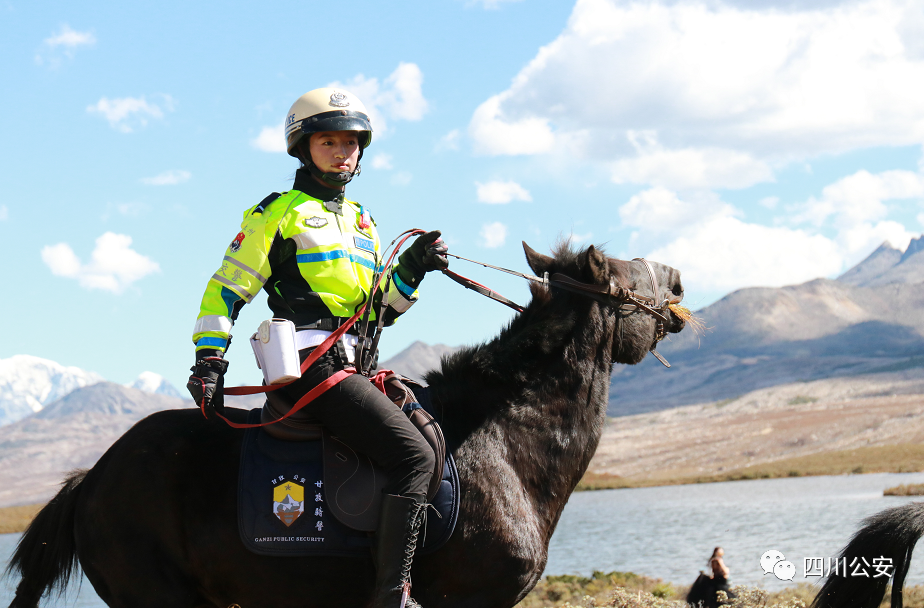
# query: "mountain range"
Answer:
x=868 y=320
x=28 y=384
x=54 y=418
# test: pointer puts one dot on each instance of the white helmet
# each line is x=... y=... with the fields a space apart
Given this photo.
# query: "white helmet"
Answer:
x=326 y=110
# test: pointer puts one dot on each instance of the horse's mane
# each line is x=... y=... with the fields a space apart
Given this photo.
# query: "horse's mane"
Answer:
x=498 y=372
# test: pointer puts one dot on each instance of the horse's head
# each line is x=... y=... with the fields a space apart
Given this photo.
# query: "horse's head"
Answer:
x=634 y=294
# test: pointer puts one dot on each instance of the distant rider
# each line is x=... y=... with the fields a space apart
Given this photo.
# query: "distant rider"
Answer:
x=314 y=253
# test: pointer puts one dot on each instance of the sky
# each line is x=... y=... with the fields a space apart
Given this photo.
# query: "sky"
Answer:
x=744 y=142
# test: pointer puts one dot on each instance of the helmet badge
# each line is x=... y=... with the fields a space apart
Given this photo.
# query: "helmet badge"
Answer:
x=339 y=100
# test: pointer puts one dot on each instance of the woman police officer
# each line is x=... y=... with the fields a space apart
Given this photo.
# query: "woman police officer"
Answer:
x=314 y=253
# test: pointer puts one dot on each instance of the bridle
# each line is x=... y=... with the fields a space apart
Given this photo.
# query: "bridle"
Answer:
x=612 y=295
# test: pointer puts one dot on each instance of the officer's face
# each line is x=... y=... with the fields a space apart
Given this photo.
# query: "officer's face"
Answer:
x=334 y=151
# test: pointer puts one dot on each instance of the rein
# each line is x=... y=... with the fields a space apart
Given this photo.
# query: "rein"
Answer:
x=318 y=351
x=610 y=294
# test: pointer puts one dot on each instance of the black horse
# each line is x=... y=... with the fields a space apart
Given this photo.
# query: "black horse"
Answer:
x=882 y=549
x=154 y=523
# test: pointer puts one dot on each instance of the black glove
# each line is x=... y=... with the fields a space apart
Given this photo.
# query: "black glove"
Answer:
x=207 y=384
x=426 y=253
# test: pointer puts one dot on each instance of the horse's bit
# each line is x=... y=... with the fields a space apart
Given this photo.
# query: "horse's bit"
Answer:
x=623 y=297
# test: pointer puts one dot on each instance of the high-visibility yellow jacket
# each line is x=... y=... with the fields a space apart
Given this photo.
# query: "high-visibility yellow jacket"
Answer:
x=315 y=258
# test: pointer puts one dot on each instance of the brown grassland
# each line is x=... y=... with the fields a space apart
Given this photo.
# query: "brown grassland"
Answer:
x=904 y=458
x=628 y=590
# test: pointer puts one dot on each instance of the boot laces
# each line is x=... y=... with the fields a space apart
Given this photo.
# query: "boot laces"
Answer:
x=416 y=521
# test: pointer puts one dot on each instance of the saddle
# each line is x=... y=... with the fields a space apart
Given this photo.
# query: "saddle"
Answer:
x=354 y=484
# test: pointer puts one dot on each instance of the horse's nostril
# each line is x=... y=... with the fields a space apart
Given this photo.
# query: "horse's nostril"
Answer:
x=677 y=290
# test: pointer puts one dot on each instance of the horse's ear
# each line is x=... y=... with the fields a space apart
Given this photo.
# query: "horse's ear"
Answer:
x=598 y=267
x=538 y=262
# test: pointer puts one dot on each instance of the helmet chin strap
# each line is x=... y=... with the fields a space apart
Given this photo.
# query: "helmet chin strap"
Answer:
x=334 y=180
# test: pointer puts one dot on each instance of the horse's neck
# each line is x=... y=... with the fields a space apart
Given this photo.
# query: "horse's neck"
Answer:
x=541 y=406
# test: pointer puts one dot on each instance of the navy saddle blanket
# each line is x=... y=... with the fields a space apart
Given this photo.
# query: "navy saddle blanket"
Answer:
x=282 y=509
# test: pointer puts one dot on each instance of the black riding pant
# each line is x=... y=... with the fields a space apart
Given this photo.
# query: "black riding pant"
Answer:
x=358 y=414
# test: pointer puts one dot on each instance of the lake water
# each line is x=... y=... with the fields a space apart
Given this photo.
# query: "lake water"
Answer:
x=669 y=532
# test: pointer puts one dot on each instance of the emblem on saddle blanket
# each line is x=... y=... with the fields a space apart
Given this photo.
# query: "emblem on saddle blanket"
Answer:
x=289 y=500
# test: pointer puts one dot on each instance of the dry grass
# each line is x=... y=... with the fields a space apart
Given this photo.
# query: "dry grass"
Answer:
x=911 y=489
x=15 y=519
x=628 y=590
x=685 y=314
x=902 y=458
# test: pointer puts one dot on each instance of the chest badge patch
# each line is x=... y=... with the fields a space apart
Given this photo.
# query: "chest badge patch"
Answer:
x=364 y=244
x=316 y=222
x=235 y=245
x=288 y=502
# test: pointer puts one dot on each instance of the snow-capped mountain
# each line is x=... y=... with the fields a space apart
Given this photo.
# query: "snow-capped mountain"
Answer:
x=28 y=383
x=150 y=382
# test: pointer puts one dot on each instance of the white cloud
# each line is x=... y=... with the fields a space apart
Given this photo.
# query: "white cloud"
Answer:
x=401 y=178
x=125 y=114
x=382 y=161
x=861 y=197
x=501 y=193
x=450 y=141
x=167 y=178
x=728 y=87
x=493 y=235
x=494 y=133
x=70 y=38
x=489 y=4
x=403 y=96
x=717 y=250
x=62 y=44
x=133 y=209
x=270 y=139
x=769 y=202
x=660 y=211
x=725 y=253
x=398 y=97
x=687 y=168
x=4 y=213
x=856 y=207
x=580 y=238
x=113 y=265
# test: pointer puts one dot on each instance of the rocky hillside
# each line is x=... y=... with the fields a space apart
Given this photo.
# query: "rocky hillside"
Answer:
x=867 y=321
x=72 y=432
x=873 y=422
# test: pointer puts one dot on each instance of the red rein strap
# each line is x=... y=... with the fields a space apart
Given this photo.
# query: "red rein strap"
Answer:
x=314 y=356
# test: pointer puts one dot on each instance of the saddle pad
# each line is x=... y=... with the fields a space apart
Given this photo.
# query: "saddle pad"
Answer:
x=282 y=507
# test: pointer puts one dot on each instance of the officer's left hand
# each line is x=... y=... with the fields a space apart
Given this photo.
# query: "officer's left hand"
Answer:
x=427 y=253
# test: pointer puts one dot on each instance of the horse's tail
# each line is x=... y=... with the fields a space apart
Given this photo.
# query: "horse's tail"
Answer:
x=888 y=537
x=46 y=556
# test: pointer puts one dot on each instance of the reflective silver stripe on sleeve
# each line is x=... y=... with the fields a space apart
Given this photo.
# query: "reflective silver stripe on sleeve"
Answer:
x=234 y=287
x=246 y=269
x=213 y=323
x=397 y=301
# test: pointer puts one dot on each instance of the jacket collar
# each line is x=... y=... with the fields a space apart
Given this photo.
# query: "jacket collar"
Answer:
x=305 y=182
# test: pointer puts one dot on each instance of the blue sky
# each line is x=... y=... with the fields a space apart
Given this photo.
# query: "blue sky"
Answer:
x=745 y=143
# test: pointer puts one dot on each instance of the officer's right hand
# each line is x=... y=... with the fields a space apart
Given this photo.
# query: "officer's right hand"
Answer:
x=207 y=383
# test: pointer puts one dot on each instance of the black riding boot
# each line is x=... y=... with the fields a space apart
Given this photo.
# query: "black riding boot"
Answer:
x=396 y=540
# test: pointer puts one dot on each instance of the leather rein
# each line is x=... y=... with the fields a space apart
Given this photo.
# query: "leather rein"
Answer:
x=610 y=295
